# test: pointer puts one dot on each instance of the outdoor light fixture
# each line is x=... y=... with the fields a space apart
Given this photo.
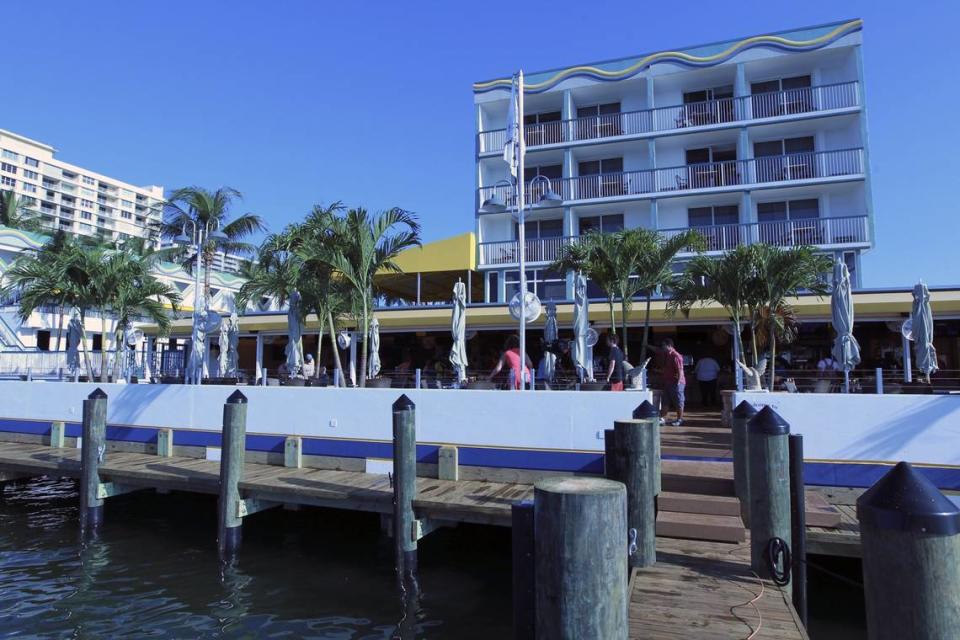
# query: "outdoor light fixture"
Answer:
x=549 y=198
x=495 y=203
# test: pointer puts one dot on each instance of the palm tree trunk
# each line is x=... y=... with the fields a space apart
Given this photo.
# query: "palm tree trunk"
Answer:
x=613 y=317
x=117 y=344
x=753 y=337
x=623 y=322
x=773 y=355
x=336 y=351
x=103 y=346
x=60 y=326
x=207 y=261
x=646 y=330
x=363 y=350
x=316 y=367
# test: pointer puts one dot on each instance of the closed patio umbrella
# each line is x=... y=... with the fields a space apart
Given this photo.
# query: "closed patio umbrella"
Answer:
x=550 y=331
x=295 y=336
x=581 y=324
x=373 y=355
x=921 y=318
x=458 y=330
x=846 y=349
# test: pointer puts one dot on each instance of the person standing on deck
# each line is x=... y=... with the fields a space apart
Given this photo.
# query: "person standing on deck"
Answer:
x=706 y=371
x=511 y=358
x=673 y=382
x=615 y=368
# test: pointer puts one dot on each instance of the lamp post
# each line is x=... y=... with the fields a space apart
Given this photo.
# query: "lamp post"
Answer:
x=200 y=233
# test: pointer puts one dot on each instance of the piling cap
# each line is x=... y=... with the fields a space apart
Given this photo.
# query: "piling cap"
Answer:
x=97 y=394
x=645 y=411
x=403 y=403
x=237 y=397
x=744 y=410
x=904 y=500
x=769 y=422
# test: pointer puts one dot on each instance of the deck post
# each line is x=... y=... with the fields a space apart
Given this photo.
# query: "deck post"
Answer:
x=610 y=454
x=57 y=433
x=769 y=488
x=293 y=452
x=741 y=457
x=580 y=554
x=524 y=586
x=448 y=467
x=233 y=445
x=798 y=530
x=165 y=443
x=646 y=411
x=92 y=449
x=910 y=536
x=404 y=490
x=634 y=462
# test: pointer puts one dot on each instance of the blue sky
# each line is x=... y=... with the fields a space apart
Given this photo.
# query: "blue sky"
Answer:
x=295 y=103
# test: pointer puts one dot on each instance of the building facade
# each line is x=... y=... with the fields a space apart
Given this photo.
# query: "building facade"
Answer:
x=762 y=139
x=73 y=199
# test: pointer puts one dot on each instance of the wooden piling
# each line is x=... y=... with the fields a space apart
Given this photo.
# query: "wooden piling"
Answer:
x=647 y=411
x=233 y=446
x=610 y=454
x=580 y=531
x=798 y=526
x=910 y=535
x=92 y=449
x=635 y=463
x=57 y=434
x=293 y=452
x=404 y=490
x=165 y=443
x=448 y=467
x=524 y=568
x=769 y=468
x=741 y=457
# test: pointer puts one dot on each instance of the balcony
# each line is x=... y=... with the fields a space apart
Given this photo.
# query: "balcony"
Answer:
x=850 y=231
x=732 y=175
x=712 y=113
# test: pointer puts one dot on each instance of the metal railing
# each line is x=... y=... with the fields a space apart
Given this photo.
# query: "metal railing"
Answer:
x=758 y=106
x=813 y=165
x=847 y=230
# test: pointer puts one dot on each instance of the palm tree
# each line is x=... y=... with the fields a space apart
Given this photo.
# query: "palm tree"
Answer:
x=358 y=246
x=210 y=209
x=600 y=257
x=653 y=269
x=15 y=214
x=730 y=281
x=782 y=274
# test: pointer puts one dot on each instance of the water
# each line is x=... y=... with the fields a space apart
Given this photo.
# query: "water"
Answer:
x=153 y=572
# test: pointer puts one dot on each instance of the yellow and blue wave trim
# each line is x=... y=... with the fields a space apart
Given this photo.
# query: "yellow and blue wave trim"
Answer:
x=801 y=40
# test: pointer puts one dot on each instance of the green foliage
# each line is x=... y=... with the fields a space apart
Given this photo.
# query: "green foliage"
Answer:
x=15 y=214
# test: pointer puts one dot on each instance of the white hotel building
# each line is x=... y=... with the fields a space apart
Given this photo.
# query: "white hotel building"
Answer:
x=761 y=139
x=73 y=199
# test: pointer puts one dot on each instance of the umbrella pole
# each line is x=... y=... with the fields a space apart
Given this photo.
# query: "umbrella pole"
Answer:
x=846 y=381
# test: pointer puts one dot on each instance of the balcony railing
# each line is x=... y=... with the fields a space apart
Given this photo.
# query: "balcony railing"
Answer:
x=698 y=114
x=813 y=165
x=840 y=231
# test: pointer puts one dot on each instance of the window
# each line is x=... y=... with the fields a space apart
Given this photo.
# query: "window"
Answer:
x=88 y=180
x=7 y=181
x=548 y=285
x=86 y=215
x=10 y=155
x=29 y=188
x=710 y=167
x=717 y=224
x=790 y=223
x=493 y=286
x=782 y=96
x=87 y=203
x=9 y=168
x=126 y=215
x=542 y=128
x=787 y=159
x=43 y=339
x=708 y=106
x=540 y=229
x=32 y=175
x=127 y=204
x=599 y=121
x=126 y=193
x=608 y=223
x=609 y=180
x=141 y=219
x=31 y=162
x=90 y=193
x=552 y=171
x=97 y=342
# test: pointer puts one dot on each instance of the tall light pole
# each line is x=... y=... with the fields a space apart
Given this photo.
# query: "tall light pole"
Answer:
x=200 y=233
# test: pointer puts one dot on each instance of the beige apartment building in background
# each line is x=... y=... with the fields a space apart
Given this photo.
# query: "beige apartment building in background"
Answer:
x=73 y=199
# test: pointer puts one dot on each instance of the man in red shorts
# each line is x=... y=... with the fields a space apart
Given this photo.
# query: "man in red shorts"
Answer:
x=673 y=382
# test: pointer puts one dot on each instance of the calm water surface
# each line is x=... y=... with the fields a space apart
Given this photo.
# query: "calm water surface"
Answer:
x=153 y=572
